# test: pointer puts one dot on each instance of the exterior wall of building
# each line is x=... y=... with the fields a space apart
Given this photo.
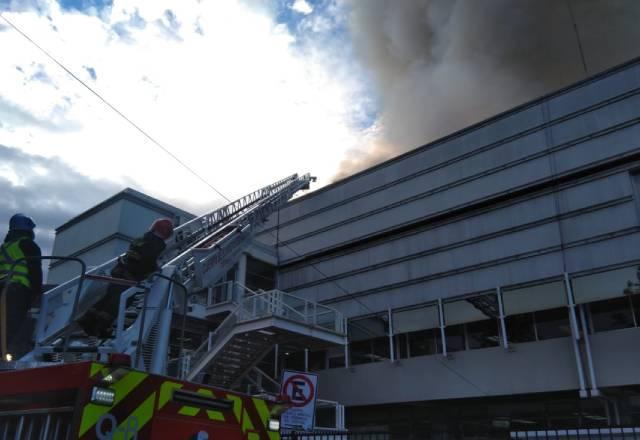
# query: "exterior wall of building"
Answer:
x=513 y=203
x=107 y=231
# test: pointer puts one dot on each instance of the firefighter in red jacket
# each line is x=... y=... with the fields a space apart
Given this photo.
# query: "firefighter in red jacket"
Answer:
x=20 y=286
x=140 y=261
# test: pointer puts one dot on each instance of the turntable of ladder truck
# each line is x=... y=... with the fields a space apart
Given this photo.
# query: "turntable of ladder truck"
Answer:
x=125 y=386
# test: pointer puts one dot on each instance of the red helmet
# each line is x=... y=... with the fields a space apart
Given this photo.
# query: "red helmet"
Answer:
x=162 y=227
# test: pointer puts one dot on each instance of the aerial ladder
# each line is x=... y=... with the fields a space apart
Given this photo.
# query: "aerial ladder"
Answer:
x=200 y=252
x=72 y=386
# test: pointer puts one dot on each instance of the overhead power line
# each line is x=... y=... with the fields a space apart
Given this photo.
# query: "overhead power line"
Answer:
x=112 y=107
x=177 y=159
x=159 y=145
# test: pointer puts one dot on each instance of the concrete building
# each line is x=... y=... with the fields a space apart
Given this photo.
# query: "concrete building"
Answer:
x=105 y=231
x=490 y=277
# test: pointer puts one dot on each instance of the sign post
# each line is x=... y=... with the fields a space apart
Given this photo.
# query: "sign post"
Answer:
x=302 y=389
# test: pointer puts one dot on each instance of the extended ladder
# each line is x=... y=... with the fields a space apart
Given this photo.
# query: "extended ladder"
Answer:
x=201 y=251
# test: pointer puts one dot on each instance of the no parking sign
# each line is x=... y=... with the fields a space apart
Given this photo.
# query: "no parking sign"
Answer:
x=302 y=389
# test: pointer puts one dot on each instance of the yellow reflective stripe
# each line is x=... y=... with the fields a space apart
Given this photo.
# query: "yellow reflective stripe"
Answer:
x=247 y=424
x=265 y=415
x=142 y=414
x=189 y=411
x=123 y=388
x=94 y=369
x=166 y=392
x=237 y=405
x=212 y=414
x=10 y=252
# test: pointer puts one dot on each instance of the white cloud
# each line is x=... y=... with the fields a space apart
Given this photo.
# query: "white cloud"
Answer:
x=302 y=6
x=221 y=84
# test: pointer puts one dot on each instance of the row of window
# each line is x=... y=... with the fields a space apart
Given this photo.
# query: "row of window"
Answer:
x=531 y=313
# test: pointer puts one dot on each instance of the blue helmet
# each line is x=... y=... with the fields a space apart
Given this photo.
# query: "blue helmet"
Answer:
x=21 y=222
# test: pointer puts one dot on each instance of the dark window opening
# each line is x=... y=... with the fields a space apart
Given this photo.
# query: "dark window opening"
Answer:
x=553 y=323
x=455 y=338
x=612 y=314
x=260 y=275
x=317 y=360
x=336 y=362
x=424 y=342
x=520 y=328
x=483 y=334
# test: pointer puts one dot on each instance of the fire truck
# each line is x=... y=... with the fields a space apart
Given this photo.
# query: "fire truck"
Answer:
x=130 y=385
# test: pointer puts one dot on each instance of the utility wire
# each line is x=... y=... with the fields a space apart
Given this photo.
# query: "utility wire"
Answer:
x=158 y=144
x=177 y=159
x=579 y=40
x=112 y=107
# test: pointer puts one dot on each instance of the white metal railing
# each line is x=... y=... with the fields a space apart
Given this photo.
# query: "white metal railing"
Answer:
x=273 y=303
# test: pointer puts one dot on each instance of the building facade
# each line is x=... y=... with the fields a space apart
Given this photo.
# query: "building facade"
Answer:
x=105 y=231
x=490 y=278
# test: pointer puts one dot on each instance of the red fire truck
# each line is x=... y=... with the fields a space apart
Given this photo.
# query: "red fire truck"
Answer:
x=89 y=400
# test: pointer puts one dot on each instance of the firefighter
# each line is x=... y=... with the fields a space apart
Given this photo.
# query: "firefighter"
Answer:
x=19 y=288
x=140 y=261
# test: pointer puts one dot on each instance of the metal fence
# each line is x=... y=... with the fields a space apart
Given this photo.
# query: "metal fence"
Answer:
x=609 y=433
x=45 y=424
x=335 y=435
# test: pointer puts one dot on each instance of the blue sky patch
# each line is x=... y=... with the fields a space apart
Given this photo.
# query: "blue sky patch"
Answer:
x=91 y=71
x=83 y=5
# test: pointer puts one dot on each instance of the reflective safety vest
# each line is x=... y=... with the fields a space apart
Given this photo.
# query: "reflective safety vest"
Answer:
x=9 y=253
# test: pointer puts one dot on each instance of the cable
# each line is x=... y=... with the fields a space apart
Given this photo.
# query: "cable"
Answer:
x=112 y=107
x=575 y=29
x=159 y=145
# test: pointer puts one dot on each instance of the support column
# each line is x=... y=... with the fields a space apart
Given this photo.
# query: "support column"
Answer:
x=503 y=326
x=241 y=277
x=575 y=336
x=443 y=336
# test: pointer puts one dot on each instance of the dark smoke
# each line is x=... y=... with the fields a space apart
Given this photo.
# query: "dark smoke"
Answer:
x=441 y=65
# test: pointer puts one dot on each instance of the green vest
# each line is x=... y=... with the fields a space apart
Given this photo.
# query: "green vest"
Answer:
x=10 y=252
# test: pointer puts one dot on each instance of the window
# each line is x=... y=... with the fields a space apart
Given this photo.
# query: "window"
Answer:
x=604 y=285
x=336 y=362
x=521 y=328
x=417 y=330
x=552 y=323
x=480 y=316
x=612 y=314
x=260 y=275
x=424 y=342
x=455 y=338
x=317 y=360
x=368 y=339
x=609 y=296
x=483 y=334
x=535 y=313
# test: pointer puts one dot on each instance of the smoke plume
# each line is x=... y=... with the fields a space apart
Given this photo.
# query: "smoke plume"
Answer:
x=440 y=65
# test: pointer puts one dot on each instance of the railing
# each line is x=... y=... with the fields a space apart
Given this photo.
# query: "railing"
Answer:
x=44 y=424
x=334 y=435
x=607 y=433
x=263 y=305
x=200 y=227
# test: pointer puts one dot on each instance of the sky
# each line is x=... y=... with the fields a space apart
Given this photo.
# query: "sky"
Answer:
x=246 y=92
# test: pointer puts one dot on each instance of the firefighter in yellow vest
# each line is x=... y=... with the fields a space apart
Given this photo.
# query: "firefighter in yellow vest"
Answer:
x=21 y=287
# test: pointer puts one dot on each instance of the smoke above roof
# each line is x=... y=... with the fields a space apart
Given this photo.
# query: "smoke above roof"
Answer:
x=441 y=65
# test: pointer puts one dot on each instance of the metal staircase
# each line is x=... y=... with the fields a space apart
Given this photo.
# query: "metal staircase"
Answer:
x=200 y=253
x=258 y=322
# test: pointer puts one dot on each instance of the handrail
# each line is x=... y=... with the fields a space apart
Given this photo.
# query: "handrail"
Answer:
x=272 y=303
x=83 y=270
